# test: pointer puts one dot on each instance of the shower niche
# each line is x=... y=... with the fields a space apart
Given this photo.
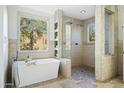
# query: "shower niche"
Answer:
x=56 y=41
x=62 y=43
x=58 y=34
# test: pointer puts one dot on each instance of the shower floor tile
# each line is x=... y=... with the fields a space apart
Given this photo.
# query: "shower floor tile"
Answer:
x=81 y=78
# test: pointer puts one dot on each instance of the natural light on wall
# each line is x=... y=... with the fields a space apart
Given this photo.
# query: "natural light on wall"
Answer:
x=33 y=33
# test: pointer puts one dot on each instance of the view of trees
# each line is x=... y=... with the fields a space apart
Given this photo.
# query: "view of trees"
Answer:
x=92 y=32
x=92 y=36
x=33 y=34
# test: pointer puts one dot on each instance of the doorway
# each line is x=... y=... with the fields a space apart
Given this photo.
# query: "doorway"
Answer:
x=79 y=45
x=105 y=43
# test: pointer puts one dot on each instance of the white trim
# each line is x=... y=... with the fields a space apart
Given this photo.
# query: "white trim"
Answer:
x=23 y=14
x=2 y=83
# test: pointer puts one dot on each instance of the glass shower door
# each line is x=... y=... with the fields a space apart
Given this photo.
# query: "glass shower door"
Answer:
x=66 y=53
x=108 y=33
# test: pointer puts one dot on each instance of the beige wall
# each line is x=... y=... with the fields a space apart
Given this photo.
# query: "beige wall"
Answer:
x=105 y=65
x=120 y=39
x=84 y=52
x=120 y=57
x=76 y=50
x=88 y=57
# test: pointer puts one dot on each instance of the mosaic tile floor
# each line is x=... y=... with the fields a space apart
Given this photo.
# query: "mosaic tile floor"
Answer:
x=82 y=77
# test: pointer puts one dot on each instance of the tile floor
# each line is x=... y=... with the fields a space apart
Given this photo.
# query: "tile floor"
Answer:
x=82 y=77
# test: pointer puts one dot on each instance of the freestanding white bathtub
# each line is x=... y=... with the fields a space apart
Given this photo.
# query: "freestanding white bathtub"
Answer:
x=35 y=71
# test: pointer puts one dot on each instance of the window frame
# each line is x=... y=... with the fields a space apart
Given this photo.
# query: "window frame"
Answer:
x=33 y=16
x=88 y=33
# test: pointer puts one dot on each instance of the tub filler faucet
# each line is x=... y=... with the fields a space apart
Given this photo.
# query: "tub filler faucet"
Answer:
x=28 y=58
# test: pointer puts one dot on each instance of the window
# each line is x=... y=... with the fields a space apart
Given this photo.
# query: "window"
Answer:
x=33 y=33
x=91 y=32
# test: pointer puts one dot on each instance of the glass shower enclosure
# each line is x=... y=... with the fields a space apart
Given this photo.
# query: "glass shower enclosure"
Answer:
x=67 y=30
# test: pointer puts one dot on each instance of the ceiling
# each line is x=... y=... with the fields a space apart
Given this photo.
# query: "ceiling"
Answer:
x=69 y=10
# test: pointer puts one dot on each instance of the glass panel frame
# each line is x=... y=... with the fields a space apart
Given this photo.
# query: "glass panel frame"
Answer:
x=67 y=34
x=109 y=42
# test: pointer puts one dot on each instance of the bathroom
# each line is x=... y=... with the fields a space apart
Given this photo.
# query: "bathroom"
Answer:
x=78 y=46
x=73 y=48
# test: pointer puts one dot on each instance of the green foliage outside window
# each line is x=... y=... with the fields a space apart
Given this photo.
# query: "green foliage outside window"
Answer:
x=91 y=32
x=33 y=34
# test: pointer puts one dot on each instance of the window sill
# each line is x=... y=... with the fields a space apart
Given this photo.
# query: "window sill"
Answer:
x=89 y=43
x=33 y=51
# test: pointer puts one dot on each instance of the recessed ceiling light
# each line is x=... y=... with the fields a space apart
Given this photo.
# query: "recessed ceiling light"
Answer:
x=82 y=11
